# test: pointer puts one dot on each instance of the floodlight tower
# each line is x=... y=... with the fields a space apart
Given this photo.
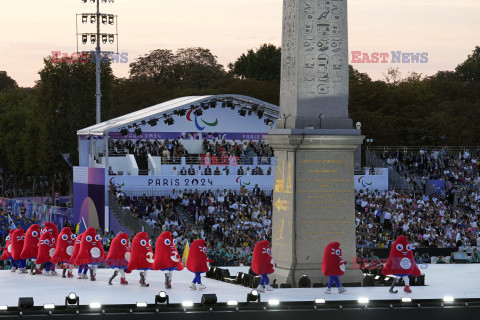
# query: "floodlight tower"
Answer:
x=95 y=39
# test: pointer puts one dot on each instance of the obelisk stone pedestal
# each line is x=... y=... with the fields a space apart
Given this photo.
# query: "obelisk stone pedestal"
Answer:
x=313 y=202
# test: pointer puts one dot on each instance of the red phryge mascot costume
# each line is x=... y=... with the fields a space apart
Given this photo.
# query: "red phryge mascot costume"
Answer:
x=46 y=250
x=30 y=247
x=17 y=241
x=333 y=266
x=91 y=252
x=197 y=262
x=64 y=250
x=118 y=257
x=263 y=264
x=167 y=257
x=7 y=251
x=76 y=250
x=141 y=256
x=53 y=230
x=401 y=263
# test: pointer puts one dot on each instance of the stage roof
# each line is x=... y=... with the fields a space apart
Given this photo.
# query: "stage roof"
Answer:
x=271 y=111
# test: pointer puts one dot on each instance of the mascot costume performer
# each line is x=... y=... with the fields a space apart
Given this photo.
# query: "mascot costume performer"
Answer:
x=46 y=251
x=401 y=263
x=263 y=264
x=7 y=251
x=333 y=266
x=64 y=251
x=118 y=257
x=197 y=262
x=141 y=256
x=30 y=247
x=91 y=252
x=17 y=241
x=167 y=257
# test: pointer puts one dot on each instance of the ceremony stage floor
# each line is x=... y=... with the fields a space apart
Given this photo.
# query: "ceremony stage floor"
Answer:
x=459 y=281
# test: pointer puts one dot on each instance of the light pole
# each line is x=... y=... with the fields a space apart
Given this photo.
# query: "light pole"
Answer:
x=95 y=39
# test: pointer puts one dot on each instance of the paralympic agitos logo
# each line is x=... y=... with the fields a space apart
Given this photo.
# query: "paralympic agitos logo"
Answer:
x=210 y=124
x=363 y=182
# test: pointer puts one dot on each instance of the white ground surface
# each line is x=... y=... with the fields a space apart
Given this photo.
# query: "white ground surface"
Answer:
x=459 y=281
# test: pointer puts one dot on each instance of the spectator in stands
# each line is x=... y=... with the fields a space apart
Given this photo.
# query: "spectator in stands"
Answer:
x=226 y=171
x=183 y=171
x=217 y=171
x=240 y=171
x=174 y=171
x=191 y=171
x=208 y=171
x=475 y=257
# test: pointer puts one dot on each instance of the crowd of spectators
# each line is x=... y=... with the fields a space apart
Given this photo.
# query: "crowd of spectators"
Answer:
x=32 y=186
x=171 y=151
x=214 y=151
x=221 y=171
x=231 y=222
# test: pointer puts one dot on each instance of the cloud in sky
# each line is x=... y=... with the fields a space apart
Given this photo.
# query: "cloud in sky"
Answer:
x=31 y=29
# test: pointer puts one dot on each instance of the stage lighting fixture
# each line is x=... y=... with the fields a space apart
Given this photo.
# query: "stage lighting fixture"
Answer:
x=213 y=104
x=72 y=298
x=253 y=296
x=162 y=297
x=254 y=107
x=363 y=300
x=124 y=132
x=49 y=306
x=93 y=1
x=406 y=300
x=104 y=18
x=111 y=20
x=209 y=299
x=93 y=38
x=84 y=18
x=187 y=303
x=203 y=106
x=242 y=112
x=152 y=122
x=319 y=301
x=95 y=305
x=138 y=132
x=198 y=112
x=111 y=39
x=273 y=302
x=92 y=19
x=230 y=105
x=84 y=1
x=169 y=121
x=3 y=308
x=448 y=299
x=232 y=302
x=260 y=114
x=25 y=302
x=104 y=38
x=304 y=282
x=249 y=112
x=224 y=105
x=143 y=122
x=182 y=112
x=84 y=39
x=141 y=304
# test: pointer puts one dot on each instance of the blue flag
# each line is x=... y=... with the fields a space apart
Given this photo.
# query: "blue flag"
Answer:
x=11 y=223
x=81 y=226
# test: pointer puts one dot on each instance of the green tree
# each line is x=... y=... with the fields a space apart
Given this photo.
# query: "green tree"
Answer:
x=6 y=82
x=469 y=70
x=263 y=64
x=66 y=103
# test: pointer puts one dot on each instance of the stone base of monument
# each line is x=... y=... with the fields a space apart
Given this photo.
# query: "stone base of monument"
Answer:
x=313 y=201
x=291 y=275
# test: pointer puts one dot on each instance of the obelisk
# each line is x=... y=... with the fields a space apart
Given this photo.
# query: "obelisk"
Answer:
x=314 y=143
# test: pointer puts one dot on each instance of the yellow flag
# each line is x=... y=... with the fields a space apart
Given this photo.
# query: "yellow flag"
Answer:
x=185 y=254
x=76 y=229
